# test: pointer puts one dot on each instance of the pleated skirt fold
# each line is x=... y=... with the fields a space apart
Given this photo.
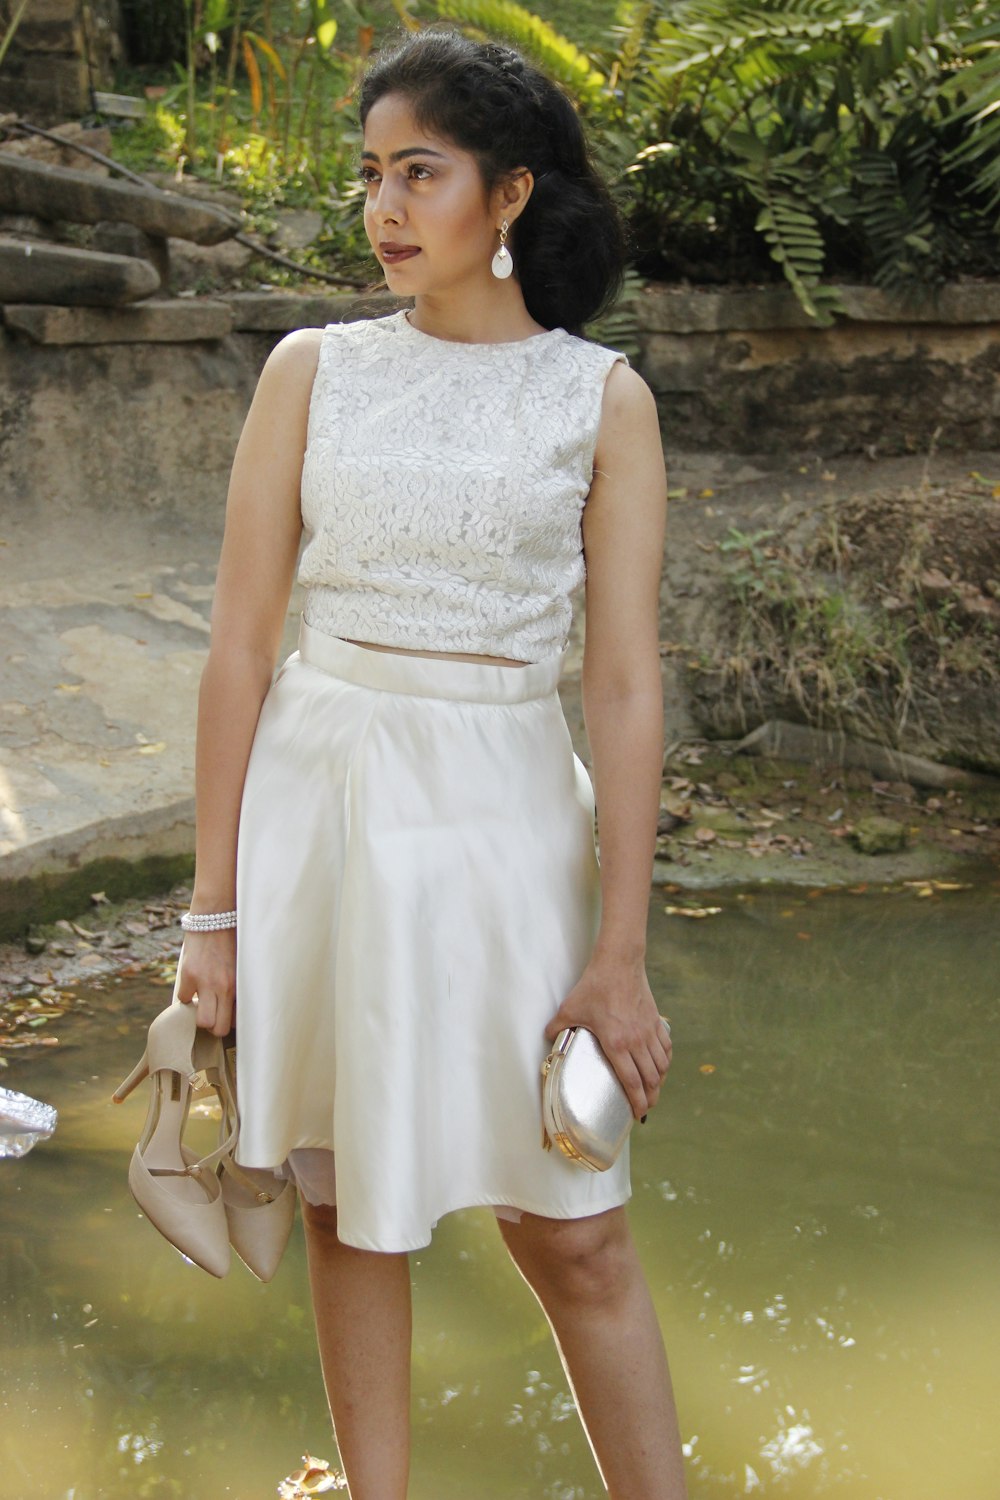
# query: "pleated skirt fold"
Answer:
x=418 y=890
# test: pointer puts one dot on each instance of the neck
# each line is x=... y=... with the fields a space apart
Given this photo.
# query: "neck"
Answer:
x=495 y=316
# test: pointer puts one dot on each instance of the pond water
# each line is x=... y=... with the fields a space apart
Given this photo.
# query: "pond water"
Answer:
x=815 y=1198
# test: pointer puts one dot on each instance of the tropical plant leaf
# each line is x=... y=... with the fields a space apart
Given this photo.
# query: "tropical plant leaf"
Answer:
x=560 y=57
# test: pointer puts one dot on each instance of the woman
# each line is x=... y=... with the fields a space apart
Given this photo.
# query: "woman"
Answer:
x=400 y=819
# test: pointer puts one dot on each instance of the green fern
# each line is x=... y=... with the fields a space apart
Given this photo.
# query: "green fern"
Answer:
x=560 y=57
x=811 y=122
x=974 y=91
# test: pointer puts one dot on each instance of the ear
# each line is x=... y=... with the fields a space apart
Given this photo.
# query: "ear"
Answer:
x=511 y=195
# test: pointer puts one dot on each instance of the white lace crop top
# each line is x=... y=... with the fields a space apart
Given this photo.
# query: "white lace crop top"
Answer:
x=443 y=487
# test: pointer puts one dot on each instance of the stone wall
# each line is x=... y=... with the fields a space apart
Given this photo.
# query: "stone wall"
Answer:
x=144 y=404
x=748 y=372
x=61 y=51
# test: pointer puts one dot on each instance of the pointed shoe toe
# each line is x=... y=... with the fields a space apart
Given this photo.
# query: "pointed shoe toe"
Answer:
x=179 y=1192
x=189 y=1212
x=260 y=1209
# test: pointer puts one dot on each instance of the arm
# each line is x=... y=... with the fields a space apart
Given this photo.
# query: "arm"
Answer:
x=256 y=568
x=623 y=531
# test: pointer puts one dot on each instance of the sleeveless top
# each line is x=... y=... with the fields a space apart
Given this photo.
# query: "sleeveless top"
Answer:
x=443 y=487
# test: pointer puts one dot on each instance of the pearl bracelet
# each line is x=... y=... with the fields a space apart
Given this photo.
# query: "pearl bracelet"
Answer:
x=214 y=921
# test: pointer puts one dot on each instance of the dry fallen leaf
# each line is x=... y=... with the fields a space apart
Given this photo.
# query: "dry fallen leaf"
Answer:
x=316 y=1478
x=692 y=911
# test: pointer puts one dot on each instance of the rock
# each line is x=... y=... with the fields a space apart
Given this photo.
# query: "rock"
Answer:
x=25 y=227
x=972 y=605
x=66 y=193
x=46 y=87
x=195 y=187
x=162 y=322
x=876 y=835
x=34 y=942
x=80 y=278
x=200 y=267
x=297 y=228
x=787 y=741
x=126 y=239
x=40 y=148
x=935 y=584
x=722 y=819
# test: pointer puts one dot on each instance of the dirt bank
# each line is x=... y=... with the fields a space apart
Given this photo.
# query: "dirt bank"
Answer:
x=861 y=596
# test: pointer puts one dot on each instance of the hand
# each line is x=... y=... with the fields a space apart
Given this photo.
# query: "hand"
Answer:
x=613 y=1000
x=206 y=970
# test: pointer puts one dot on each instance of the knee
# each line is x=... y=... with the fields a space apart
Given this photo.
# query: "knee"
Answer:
x=581 y=1262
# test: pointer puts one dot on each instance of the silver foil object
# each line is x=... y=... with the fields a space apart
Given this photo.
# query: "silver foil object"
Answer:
x=585 y=1110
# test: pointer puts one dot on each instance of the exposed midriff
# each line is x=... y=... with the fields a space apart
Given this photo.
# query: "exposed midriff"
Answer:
x=496 y=661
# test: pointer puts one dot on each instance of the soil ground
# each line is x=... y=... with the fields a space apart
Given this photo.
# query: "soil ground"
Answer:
x=851 y=592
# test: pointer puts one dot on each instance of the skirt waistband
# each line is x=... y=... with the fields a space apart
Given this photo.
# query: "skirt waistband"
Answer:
x=429 y=677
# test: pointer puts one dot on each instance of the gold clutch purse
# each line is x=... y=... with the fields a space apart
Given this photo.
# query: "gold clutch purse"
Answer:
x=585 y=1110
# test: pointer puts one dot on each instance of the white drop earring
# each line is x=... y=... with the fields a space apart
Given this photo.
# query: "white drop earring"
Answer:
x=501 y=264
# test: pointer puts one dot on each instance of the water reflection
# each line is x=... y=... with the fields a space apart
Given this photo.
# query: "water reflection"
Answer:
x=815 y=1199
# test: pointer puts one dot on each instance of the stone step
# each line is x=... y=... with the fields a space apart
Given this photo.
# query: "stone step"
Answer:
x=152 y=322
x=51 y=192
x=37 y=271
x=280 y=312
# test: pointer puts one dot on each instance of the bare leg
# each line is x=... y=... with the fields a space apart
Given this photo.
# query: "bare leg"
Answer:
x=361 y=1302
x=587 y=1277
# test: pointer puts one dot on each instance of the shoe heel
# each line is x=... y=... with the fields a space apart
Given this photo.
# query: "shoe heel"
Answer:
x=138 y=1073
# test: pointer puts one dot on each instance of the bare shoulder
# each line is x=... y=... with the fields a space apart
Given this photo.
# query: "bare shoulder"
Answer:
x=284 y=387
x=628 y=407
x=296 y=356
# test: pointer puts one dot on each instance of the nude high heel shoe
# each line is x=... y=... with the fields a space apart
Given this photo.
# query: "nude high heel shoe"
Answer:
x=179 y=1192
x=260 y=1207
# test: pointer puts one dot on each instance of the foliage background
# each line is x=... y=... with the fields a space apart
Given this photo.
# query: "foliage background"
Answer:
x=811 y=140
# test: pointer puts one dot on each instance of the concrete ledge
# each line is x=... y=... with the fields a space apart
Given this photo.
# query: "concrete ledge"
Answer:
x=748 y=372
x=668 y=309
x=173 y=321
x=277 y=312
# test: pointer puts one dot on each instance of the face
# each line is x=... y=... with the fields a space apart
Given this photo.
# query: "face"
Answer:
x=427 y=215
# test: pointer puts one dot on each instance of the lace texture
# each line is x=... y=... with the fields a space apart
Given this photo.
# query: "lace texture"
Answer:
x=443 y=487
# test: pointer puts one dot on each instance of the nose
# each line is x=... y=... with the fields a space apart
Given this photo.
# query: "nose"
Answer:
x=385 y=204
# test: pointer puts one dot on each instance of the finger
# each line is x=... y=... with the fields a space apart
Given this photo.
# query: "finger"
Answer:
x=224 y=1019
x=631 y=1081
x=184 y=989
x=661 y=1057
x=219 y=1025
x=650 y=1075
x=206 y=1009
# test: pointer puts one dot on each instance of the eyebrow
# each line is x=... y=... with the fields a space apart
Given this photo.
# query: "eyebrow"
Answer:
x=395 y=156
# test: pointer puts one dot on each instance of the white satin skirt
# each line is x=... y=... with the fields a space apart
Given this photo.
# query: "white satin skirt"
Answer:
x=418 y=890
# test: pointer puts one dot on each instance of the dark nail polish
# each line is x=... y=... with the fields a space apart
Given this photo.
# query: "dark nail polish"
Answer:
x=642 y=1119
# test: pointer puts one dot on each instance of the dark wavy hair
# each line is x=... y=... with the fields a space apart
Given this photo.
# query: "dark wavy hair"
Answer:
x=568 y=243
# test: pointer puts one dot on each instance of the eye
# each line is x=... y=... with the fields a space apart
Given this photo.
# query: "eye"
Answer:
x=367 y=174
x=418 y=166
